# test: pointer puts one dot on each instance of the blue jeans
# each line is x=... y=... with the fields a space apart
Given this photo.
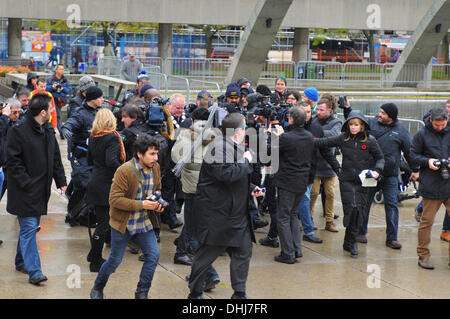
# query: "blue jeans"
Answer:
x=2 y=178
x=27 y=251
x=147 y=242
x=389 y=186
x=445 y=224
x=304 y=212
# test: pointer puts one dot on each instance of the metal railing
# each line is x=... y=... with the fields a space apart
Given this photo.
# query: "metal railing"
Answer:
x=299 y=74
x=440 y=73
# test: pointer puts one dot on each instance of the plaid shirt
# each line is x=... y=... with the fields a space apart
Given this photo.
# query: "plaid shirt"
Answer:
x=139 y=221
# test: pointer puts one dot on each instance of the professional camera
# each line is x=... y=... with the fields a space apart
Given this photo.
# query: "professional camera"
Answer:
x=156 y=197
x=155 y=113
x=58 y=84
x=342 y=101
x=113 y=104
x=443 y=167
x=274 y=112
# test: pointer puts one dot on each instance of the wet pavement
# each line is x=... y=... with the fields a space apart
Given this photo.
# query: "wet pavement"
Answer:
x=324 y=271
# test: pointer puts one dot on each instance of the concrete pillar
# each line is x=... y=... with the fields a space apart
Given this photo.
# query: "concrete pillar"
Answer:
x=301 y=44
x=262 y=27
x=14 y=38
x=165 y=44
x=422 y=45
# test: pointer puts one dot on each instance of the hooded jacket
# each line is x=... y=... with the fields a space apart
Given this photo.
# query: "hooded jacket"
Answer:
x=356 y=155
x=393 y=140
x=30 y=76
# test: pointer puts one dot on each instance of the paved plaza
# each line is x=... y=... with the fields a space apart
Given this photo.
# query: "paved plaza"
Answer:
x=324 y=271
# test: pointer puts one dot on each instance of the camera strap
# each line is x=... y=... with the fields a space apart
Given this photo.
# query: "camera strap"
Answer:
x=138 y=176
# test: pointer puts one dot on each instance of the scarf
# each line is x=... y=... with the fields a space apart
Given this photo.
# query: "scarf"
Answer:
x=176 y=124
x=122 y=147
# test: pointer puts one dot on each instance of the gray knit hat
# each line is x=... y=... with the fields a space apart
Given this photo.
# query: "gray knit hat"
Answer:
x=85 y=82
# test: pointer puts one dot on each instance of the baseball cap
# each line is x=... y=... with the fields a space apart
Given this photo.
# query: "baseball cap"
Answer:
x=203 y=95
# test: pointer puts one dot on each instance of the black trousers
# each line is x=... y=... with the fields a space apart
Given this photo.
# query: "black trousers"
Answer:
x=168 y=190
x=288 y=224
x=101 y=232
x=355 y=221
x=239 y=264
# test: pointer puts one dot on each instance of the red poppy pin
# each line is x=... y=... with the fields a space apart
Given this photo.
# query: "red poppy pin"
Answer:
x=363 y=147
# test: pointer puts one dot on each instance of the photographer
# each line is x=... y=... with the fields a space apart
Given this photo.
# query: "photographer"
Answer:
x=132 y=215
x=324 y=172
x=430 y=150
x=134 y=121
x=445 y=234
x=60 y=88
x=295 y=150
x=76 y=131
x=280 y=90
x=76 y=102
x=233 y=98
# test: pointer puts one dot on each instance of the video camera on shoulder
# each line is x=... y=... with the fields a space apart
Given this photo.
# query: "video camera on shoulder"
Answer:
x=155 y=113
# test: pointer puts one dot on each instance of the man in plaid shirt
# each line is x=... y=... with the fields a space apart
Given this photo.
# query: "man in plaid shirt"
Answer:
x=132 y=215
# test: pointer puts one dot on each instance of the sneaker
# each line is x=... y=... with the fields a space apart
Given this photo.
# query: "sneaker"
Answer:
x=417 y=214
x=425 y=263
x=269 y=242
x=330 y=226
x=445 y=236
x=393 y=244
x=361 y=239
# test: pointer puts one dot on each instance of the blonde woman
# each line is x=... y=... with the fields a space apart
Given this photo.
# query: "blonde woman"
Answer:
x=106 y=153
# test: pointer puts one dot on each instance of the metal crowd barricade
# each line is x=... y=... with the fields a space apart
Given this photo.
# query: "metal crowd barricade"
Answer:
x=177 y=84
x=411 y=73
x=440 y=73
x=366 y=72
x=307 y=71
x=110 y=66
x=150 y=62
x=273 y=69
x=189 y=67
x=217 y=68
x=195 y=86
x=159 y=81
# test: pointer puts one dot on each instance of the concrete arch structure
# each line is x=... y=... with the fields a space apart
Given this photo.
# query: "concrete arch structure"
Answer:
x=409 y=70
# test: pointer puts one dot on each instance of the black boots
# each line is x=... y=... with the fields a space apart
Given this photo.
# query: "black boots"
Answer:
x=95 y=254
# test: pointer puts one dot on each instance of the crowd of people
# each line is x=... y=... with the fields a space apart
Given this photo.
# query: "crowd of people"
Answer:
x=124 y=173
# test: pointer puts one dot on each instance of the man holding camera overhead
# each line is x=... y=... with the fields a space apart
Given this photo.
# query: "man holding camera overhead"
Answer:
x=430 y=149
